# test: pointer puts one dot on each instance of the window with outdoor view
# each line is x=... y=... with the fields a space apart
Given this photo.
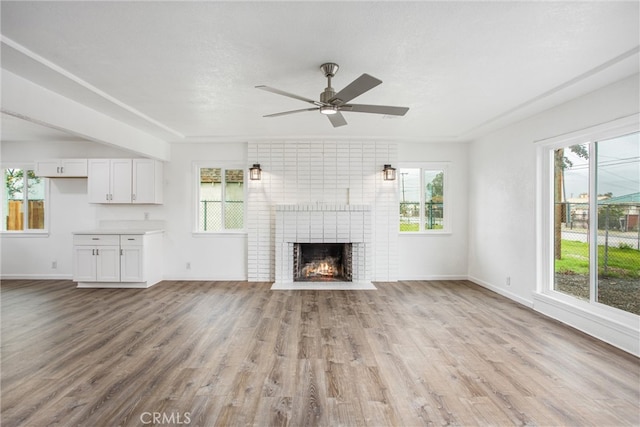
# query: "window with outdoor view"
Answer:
x=422 y=199
x=23 y=200
x=220 y=199
x=596 y=227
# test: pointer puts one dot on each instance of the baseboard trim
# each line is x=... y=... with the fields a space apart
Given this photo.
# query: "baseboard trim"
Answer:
x=501 y=291
x=36 y=277
x=433 y=277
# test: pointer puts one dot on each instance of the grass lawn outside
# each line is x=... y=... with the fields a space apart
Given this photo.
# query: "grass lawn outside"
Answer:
x=621 y=262
x=618 y=287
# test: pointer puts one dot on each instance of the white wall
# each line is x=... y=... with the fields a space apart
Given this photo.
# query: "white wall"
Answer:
x=438 y=256
x=502 y=193
x=212 y=257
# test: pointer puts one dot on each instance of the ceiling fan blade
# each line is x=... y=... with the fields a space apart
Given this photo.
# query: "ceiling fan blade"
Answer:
x=376 y=109
x=290 y=95
x=337 y=119
x=356 y=88
x=284 y=113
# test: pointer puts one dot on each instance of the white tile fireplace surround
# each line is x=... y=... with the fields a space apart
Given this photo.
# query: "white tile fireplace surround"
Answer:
x=322 y=223
x=327 y=178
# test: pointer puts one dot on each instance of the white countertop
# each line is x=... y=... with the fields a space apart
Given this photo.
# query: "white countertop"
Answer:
x=105 y=231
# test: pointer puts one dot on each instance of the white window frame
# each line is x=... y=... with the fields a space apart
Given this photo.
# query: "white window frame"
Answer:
x=446 y=206
x=196 y=197
x=26 y=232
x=545 y=212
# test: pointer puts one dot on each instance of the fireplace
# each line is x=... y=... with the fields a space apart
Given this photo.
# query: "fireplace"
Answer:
x=323 y=243
x=322 y=262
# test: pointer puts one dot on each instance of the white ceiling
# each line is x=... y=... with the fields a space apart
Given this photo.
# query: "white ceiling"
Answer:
x=186 y=71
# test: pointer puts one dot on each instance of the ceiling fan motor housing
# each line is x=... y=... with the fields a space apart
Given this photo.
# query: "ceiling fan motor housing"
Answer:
x=327 y=95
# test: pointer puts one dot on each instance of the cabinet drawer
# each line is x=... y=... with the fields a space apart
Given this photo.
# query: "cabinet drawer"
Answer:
x=131 y=240
x=96 y=239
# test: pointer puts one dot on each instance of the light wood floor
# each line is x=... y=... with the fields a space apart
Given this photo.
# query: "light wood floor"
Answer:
x=234 y=353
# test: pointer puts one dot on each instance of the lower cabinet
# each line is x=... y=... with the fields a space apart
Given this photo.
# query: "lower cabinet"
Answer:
x=117 y=260
x=131 y=259
x=96 y=263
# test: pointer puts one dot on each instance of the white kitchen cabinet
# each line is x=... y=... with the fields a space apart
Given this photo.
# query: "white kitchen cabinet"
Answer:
x=62 y=168
x=96 y=259
x=125 y=181
x=131 y=258
x=112 y=259
x=147 y=181
x=109 y=181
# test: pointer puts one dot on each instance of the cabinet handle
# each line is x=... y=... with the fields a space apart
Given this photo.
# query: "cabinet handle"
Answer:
x=93 y=252
x=106 y=196
x=133 y=197
x=121 y=252
x=58 y=169
x=61 y=169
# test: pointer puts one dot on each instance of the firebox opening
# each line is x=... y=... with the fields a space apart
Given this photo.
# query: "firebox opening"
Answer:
x=322 y=262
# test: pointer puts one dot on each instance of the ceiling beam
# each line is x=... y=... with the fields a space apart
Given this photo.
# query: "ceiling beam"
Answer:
x=23 y=98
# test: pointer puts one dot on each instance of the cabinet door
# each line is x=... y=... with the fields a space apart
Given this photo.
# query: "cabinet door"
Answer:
x=108 y=264
x=131 y=268
x=144 y=181
x=120 y=181
x=99 y=186
x=73 y=167
x=47 y=168
x=84 y=264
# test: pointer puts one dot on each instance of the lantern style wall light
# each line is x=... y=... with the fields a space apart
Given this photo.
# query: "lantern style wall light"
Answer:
x=255 y=173
x=389 y=173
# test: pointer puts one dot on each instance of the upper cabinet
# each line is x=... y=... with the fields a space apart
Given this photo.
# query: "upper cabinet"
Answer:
x=125 y=181
x=147 y=181
x=62 y=168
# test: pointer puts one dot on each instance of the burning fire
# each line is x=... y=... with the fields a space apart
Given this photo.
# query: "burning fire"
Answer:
x=319 y=268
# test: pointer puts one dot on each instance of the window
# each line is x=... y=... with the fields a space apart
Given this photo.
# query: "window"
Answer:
x=220 y=201
x=423 y=198
x=23 y=200
x=596 y=221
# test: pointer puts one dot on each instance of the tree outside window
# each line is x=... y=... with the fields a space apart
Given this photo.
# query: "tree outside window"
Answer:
x=23 y=200
x=422 y=199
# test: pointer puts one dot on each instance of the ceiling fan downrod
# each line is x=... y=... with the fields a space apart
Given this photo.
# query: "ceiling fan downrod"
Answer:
x=329 y=69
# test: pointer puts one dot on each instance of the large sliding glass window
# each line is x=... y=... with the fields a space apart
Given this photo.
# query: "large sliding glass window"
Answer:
x=596 y=221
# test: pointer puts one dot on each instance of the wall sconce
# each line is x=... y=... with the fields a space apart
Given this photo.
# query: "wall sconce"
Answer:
x=255 y=173
x=389 y=173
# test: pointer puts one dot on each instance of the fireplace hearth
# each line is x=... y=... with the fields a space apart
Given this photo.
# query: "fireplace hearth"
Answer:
x=322 y=262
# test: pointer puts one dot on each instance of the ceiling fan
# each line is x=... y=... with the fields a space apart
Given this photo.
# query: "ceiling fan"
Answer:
x=332 y=104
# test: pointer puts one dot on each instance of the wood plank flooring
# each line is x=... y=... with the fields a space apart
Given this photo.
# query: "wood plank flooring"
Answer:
x=237 y=353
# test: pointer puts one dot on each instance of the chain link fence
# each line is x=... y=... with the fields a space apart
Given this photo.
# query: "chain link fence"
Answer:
x=410 y=216
x=211 y=215
x=618 y=249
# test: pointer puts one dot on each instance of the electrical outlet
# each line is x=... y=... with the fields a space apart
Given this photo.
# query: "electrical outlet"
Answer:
x=508 y=280
x=188 y=266
x=54 y=264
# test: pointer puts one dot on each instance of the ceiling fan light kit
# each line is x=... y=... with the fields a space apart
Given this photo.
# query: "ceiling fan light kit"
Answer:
x=332 y=104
